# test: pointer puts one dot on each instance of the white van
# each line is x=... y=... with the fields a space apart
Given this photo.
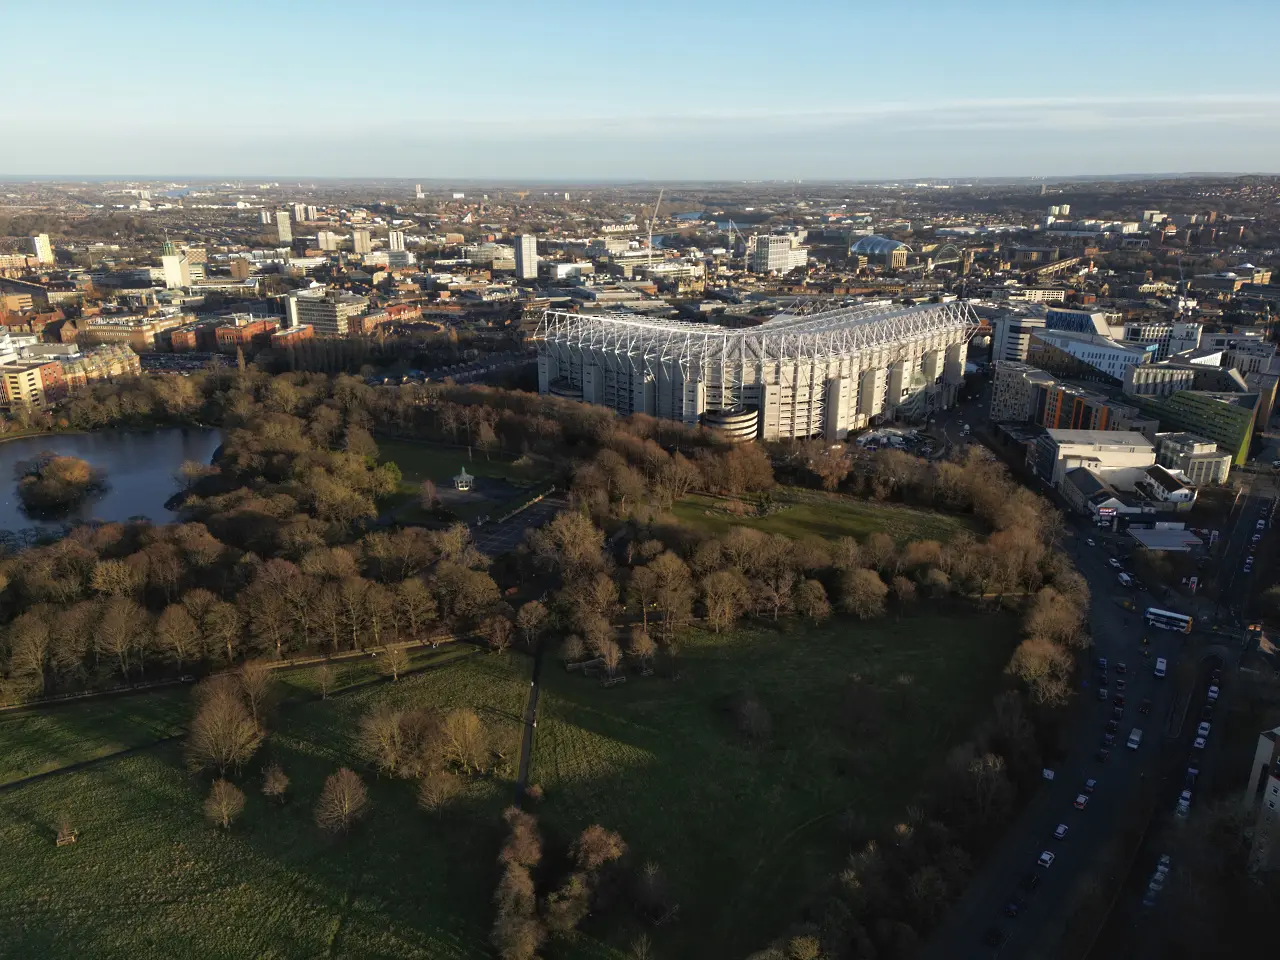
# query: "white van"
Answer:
x=1162 y=666
x=1125 y=580
x=1135 y=738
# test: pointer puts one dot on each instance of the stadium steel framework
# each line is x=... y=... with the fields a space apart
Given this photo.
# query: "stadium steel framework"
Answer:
x=796 y=375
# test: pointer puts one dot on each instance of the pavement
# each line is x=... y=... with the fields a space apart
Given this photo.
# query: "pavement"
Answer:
x=497 y=538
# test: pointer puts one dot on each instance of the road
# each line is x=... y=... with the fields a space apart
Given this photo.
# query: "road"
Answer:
x=497 y=538
x=1039 y=928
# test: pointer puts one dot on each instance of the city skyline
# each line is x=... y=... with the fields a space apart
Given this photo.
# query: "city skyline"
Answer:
x=723 y=91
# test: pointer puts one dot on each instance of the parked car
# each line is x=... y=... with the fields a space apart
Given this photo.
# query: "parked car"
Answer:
x=1113 y=726
x=1061 y=832
x=1090 y=785
x=1198 y=743
x=1102 y=755
x=1102 y=664
x=1046 y=859
x=1121 y=667
x=1213 y=694
x=1120 y=685
x=1103 y=693
x=1203 y=729
x=1162 y=667
x=1081 y=801
x=1114 y=563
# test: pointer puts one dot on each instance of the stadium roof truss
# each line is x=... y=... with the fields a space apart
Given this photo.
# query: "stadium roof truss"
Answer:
x=786 y=337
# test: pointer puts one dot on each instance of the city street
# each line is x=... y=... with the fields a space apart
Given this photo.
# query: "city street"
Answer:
x=1040 y=927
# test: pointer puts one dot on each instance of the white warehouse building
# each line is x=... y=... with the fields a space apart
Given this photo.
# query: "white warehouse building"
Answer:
x=794 y=376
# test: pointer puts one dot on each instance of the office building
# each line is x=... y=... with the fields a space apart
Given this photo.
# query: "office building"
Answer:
x=1197 y=457
x=177 y=271
x=41 y=248
x=1058 y=452
x=818 y=375
x=1011 y=337
x=1086 y=355
x=1169 y=338
x=1023 y=394
x=329 y=314
x=1225 y=418
x=1158 y=379
x=1013 y=391
x=1262 y=799
x=775 y=253
x=284 y=233
x=527 y=257
x=1077 y=321
x=360 y=243
x=395 y=239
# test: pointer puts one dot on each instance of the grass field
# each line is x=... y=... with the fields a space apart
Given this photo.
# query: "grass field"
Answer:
x=804 y=512
x=745 y=832
x=149 y=878
x=37 y=741
x=428 y=461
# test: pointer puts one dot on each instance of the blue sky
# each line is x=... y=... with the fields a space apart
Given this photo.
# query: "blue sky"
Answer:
x=652 y=90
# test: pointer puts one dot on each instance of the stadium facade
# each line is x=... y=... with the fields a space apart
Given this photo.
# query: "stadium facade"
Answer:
x=794 y=376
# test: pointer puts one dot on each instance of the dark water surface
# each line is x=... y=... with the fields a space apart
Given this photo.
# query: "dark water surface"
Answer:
x=140 y=467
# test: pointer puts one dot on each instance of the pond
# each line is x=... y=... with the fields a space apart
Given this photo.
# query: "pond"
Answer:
x=140 y=467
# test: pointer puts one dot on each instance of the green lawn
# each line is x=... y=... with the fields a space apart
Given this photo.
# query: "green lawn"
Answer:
x=745 y=832
x=429 y=461
x=149 y=878
x=37 y=741
x=804 y=512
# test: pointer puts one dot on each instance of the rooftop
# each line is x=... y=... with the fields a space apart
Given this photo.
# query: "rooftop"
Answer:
x=1101 y=438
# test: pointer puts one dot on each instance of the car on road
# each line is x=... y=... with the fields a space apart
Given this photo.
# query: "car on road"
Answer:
x=1089 y=541
x=1102 y=755
x=1082 y=801
x=1156 y=884
x=1203 y=729
x=1090 y=785
x=1182 y=810
x=1113 y=563
x=1261 y=524
x=1108 y=740
x=1117 y=712
x=1112 y=726
x=1103 y=693
x=1046 y=859
x=1121 y=667
x=1165 y=860
x=1255 y=538
x=1135 y=739
x=1213 y=693
x=1162 y=667
x=1248 y=564
x=1145 y=705
x=1061 y=832
x=1198 y=743
x=1120 y=685
x=1102 y=664
x=1192 y=774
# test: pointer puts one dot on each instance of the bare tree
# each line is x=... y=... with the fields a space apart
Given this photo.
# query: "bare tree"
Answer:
x=497 y=629
x=178 y=634
x=224 y=803
x=325 y=678
x=530 y=620
x=611 y=654
x=343 y=801
x=811 y=600
x=904 y=591
x=465 y=739
x=223 y=733
x=417 y=605
x=641 y=645
x=394 y=661
x=256 y=682
x=437 y=790
x=862 y=593
x=275 y=782
x=380 y=739
x=428 y=496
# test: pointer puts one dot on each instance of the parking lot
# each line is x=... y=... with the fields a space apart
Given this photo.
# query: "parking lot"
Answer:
x=498 y=538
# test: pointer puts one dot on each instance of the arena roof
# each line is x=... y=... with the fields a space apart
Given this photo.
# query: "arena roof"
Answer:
x=846 y=329
x=875 y=246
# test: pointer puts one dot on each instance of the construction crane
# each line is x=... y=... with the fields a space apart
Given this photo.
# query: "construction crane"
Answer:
x=652 y=217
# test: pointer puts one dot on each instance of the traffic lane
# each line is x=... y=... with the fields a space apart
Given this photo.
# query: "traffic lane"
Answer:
x=984 y=904
x=1119 y=779
x=1143 y=923
x=1239 y=537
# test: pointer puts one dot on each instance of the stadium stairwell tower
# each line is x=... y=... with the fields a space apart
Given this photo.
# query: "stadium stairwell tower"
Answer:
x=794 y=376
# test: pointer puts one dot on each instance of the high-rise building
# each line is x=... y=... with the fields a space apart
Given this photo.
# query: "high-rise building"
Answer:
x=299 y=213
x=776 y=253
x=283 y=230
x=264 y=217
x=359 y=243
x=527 y=257
x=177 y=272
x=41 y=247
x=327 y=241
x=417 y=191
x=395 y=240
x=313 y=213
x=329 y=315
